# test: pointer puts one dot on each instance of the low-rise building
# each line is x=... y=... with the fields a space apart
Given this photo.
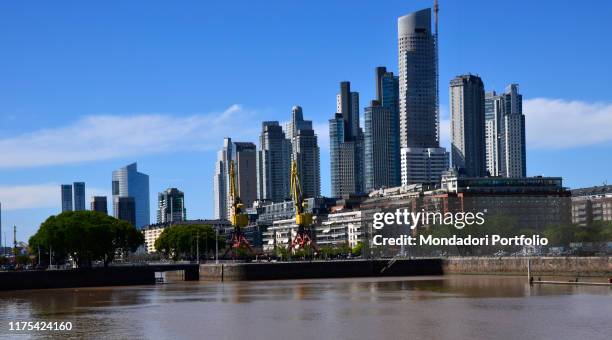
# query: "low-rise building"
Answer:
x=591 y=204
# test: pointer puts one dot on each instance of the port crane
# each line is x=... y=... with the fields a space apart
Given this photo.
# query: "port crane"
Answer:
x=303 y=238
x=238 y=218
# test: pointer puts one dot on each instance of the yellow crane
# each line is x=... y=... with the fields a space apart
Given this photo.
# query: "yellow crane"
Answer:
x=238 y=218
x=303 y=219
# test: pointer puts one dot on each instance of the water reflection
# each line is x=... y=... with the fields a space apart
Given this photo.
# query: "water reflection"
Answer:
x=424 y=307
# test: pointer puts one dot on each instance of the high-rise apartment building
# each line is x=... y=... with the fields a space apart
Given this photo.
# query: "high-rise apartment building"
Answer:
x=346 y=144
x=505 y=133
x=125 y=209
x=244 y=156
x=418 y=99
x=128 y=182
x=273 y=163
x=492 y=120
x=99 y=204
x=305 y=151
x=381 y=134
x=220 y=180
x=171 y=206
x=513 y=156
x=79 y=196
x=66 y=190
x=468 y=125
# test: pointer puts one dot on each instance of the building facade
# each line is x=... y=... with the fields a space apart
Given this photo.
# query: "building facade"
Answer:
x=468 y=146
x=171 y=206
x=381 y=134
x=513 y=156
x=273 y=163
x=66 y=190
x=99 y=204
x=381 y=150
x=305 y=151
x=244 y=155
x=128 y=182
x=492 y=122
x=346 y=145
x=422 y=165
x=79 y=196
x=124 y=208
x=591 y=205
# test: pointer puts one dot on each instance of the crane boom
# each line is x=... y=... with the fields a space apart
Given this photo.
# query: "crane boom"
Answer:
x=303 y=219
x=237 y=216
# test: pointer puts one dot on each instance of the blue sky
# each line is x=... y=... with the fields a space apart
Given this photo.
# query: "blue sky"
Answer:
x=89 y=86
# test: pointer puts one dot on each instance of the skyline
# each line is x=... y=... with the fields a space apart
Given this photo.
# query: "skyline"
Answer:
x=40 y=141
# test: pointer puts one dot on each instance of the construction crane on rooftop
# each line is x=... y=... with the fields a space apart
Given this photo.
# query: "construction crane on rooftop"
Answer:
x=238 y=218
x=304 y=236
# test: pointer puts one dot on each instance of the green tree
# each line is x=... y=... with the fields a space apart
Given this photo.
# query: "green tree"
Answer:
x=182 y=241
x=86 y=236
x=358 y=249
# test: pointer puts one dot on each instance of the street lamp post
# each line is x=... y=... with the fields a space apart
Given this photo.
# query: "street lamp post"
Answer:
x=216 y=246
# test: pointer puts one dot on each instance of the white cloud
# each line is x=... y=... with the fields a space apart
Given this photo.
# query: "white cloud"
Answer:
x=48 y=195
x=561 y=124
x=103 y=137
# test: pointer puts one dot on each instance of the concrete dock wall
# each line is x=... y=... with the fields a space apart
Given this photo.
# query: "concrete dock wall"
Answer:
x=92 y=277
x=318 y=269
x=554 y=266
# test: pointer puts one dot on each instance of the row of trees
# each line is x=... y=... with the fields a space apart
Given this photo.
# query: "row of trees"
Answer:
x=185 y=241
x=563 y=235
x=85 y=236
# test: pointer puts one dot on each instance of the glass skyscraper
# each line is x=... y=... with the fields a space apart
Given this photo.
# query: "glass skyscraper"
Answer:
x=128 y=182
x=381 y=134
x=346 y=144
x=79 y=196
x=66 y=197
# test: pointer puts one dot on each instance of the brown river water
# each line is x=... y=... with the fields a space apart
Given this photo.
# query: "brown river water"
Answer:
x=436 y=307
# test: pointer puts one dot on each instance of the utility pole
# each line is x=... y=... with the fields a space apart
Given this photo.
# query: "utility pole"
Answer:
x=15 y=240
x=198 y=245
x=216 y=246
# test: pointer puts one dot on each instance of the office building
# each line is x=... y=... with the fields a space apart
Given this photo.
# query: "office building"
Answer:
x=346 y=145
x=381 y=150
x=79 y=196
x=381 y=134
x=124 y=208
x=244 y=156
x=468 y=125
x=128 y=182
x=273 y=163
x=99 y=204
x=66 y=190
x=171 y=206
x=305 y=151
x=421 y=155
x=422 y=165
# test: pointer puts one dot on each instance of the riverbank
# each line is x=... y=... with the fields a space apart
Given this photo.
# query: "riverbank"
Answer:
x=544 y=266
x=90 y=277
x=319 y=269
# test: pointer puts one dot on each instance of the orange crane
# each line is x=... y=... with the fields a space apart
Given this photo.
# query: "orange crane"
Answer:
x=238 y=218
x=303 y=219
